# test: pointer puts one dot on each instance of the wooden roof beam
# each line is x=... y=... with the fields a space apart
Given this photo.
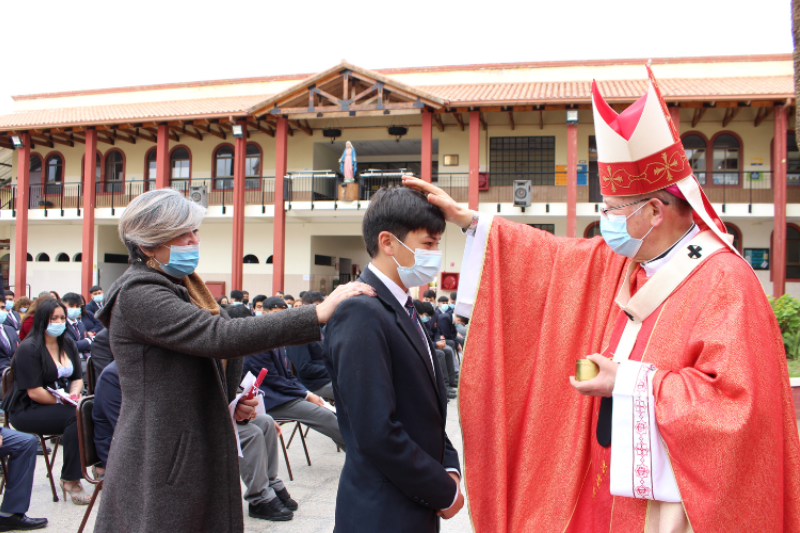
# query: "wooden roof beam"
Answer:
x=184 y=131
x=256 y=124
x=730 y=114
x=42 y=140
x=482 y=119
x=511 y=119
x=104 y=139
x=698 y=115
x=304 y=128
x=761 y=114
x=459 y=119
x=437 y=119
x=541 y=119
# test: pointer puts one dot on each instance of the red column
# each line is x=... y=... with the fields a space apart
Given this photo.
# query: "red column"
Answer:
x=675 y=114
x=239 y=158
x=162 y=157
x=279 y=232
x=474 y=157
x=572 y=180
x=21 y=237
x=779 y=187
x=87 y=250
x=427 y=147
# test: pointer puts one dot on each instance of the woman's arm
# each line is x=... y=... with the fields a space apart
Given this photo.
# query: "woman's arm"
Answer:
x=40 y=395
x=75 y=387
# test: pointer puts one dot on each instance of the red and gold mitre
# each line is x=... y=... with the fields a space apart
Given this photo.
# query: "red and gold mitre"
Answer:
x=639 y=150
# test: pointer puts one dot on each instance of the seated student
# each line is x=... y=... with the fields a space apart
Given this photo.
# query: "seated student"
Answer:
x=461 y=326
x=308 y=360
x=96 y=292
x=92 y=325
x=13 y=318
x=429 y=296
x=9 y=296
x=223 y=301
x=266 y=494
x=448 y=333
x=258 y=304
x=107 y=403
x=101 y=352
x=452 y=304
x=9 y=340
x=284 y=395
x=401 y=473
x=49 y=358
x=444 y=354
x=75 y=328
x=20 y=307
x=236 y=297
x=20 y=449
x=289 y=299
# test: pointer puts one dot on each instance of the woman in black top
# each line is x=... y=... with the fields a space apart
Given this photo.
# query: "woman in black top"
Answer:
x=48 y=358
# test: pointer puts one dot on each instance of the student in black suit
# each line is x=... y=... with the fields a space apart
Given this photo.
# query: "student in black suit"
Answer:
x=284 y=395
x=90 y=322
x=75 y=328
x=308 y=359
x=13 y=317
x=443 y=352
x=9 y=340
x=96 y=292
x=101 y=352
x=401 y=473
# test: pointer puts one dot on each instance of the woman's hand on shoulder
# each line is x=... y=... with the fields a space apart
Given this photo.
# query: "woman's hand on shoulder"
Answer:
x=326 y=309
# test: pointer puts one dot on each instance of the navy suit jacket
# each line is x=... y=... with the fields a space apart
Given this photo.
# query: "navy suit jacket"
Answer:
x=392 y=408
x=93 y=307
x=101 y=352
x=309 y=363
x=445 y=324
x=13 y=320
x=90 y=322
x=7 y=354
x=84 y=344
x=107 y=403
x=279 y=385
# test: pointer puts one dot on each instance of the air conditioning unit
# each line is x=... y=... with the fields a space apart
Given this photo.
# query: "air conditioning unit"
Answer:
x=199 y=195
x=522 y=193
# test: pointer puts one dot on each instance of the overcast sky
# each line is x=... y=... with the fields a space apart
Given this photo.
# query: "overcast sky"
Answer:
x=58 y=46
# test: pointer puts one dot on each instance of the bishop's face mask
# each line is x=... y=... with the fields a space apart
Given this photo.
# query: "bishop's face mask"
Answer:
x=614 y=229
x=426 y=266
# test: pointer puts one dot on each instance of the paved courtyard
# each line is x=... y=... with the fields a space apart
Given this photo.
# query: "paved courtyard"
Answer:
x=314 y=487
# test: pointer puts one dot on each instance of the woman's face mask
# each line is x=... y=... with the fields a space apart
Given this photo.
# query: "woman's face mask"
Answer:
x=56 y=329
x=183 y=260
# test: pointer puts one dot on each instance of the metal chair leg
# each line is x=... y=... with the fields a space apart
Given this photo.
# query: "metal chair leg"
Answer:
x=49 y=464
x=286 y=458
x=291 y=437
x=303 y=440
x=97 y=490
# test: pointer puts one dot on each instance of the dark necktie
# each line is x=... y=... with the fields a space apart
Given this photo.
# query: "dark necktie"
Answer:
x=13 y=320
x=6 y=343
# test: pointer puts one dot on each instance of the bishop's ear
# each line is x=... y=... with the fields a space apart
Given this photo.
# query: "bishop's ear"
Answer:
x=659 y=212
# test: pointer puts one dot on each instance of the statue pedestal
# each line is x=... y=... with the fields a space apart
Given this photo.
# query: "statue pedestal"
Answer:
x=348 y=192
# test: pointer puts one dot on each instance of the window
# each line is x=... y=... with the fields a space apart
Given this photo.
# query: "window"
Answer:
x=252 y=167
x=54 y=174
x=115 y=173
x=62 y=258
x=150 y=169
x=550 y=228
x=269 y=260
x=223 y=167
x=737 y=235
x=792 y=160
x=77 y=258
x=515 y=158
x=250 y=259
x=323 y=260
x=35 y=178
x=29 y=258
x=43 y=257
x=726 y=151
x=695 y=147
x=98 y=166
x=592 y=230
x=792 y=252
x=181 y=165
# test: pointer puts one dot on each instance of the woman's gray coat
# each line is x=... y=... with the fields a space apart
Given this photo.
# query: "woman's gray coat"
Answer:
x=173 y=463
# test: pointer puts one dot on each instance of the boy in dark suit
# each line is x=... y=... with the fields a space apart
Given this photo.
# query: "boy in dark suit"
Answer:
x=401 y=472
x=9 y=340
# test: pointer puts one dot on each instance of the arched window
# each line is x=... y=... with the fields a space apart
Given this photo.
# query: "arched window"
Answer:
x=98 y=163
x=592 y=230
x=54 y=173
x=792 y=160
x=250 y=259
x=35 y=180
x=252 y=167
x=62 y=258
x=43 y=257
x=77 y=258
x=726 y=156
x=181 y=165
x=114 y=181
x=695 y=146
x=150 y=169
x=223 y=167
x=737 y=235
x=269 y=260
x=29 y=258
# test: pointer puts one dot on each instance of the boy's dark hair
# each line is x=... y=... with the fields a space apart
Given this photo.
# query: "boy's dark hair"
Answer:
x=419 y=307
x=11 y=293
x=237 y=311
x=237 y=295
x=288 y=297
x=425 y=308
x=399 y=211
x=259 y=298
x=72 y=298
x=443 y=300
x=464 y=320
x=302 y=293
x=93 y=289
x=429 y=294
x=453 y=296
x=312 y=297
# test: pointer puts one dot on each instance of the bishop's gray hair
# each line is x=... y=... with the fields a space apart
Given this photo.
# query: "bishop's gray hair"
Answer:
x=156 y=217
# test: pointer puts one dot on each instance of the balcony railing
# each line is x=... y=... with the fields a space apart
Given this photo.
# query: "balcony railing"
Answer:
x=721 y=187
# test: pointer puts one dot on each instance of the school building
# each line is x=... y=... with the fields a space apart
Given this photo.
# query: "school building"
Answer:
x=263 y=155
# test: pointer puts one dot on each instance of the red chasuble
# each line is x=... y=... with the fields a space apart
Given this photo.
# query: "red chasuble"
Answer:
x=723 y=400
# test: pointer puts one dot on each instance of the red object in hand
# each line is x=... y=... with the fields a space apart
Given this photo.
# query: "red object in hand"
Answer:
x=257 y=384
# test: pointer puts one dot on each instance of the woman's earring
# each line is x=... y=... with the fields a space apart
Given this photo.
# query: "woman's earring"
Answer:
x=151 y=263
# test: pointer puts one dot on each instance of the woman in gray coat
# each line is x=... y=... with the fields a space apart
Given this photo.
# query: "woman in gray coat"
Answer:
x=173 y=463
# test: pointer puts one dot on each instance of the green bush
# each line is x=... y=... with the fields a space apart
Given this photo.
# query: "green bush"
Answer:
x=787 y=311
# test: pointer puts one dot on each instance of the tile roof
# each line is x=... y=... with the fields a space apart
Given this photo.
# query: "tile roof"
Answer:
x=768 y=87
x=580 y=91
x=100 y=114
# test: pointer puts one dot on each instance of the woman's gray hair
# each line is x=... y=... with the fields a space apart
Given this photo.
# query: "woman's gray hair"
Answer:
x=156 y=217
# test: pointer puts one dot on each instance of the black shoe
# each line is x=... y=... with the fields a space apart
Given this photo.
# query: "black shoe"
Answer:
x=451 y=394
x=20 y=522
x=273 y=510
x=287 y=500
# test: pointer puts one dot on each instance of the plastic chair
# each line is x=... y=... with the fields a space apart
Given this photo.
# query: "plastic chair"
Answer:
x=88 y=452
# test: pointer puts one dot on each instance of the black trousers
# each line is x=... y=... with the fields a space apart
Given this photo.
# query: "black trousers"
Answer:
x=54 y=420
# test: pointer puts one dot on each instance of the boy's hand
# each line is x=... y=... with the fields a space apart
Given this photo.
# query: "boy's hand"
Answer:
x=457 y=214
x=453 y=510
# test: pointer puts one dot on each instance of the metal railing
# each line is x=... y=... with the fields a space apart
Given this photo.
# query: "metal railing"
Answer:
x=311 y=186
x=546 y=187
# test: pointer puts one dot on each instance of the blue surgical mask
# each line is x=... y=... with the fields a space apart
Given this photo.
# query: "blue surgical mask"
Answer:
x=56 y=329
x=424 y=318
x=3 y=316
x=259 y=313
x=614 y=229
x=73 y=313
x=98 y=298
x=23 y=309
x=182 y=260
x=236 y=303
x=451 y=306
x=426 y=266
